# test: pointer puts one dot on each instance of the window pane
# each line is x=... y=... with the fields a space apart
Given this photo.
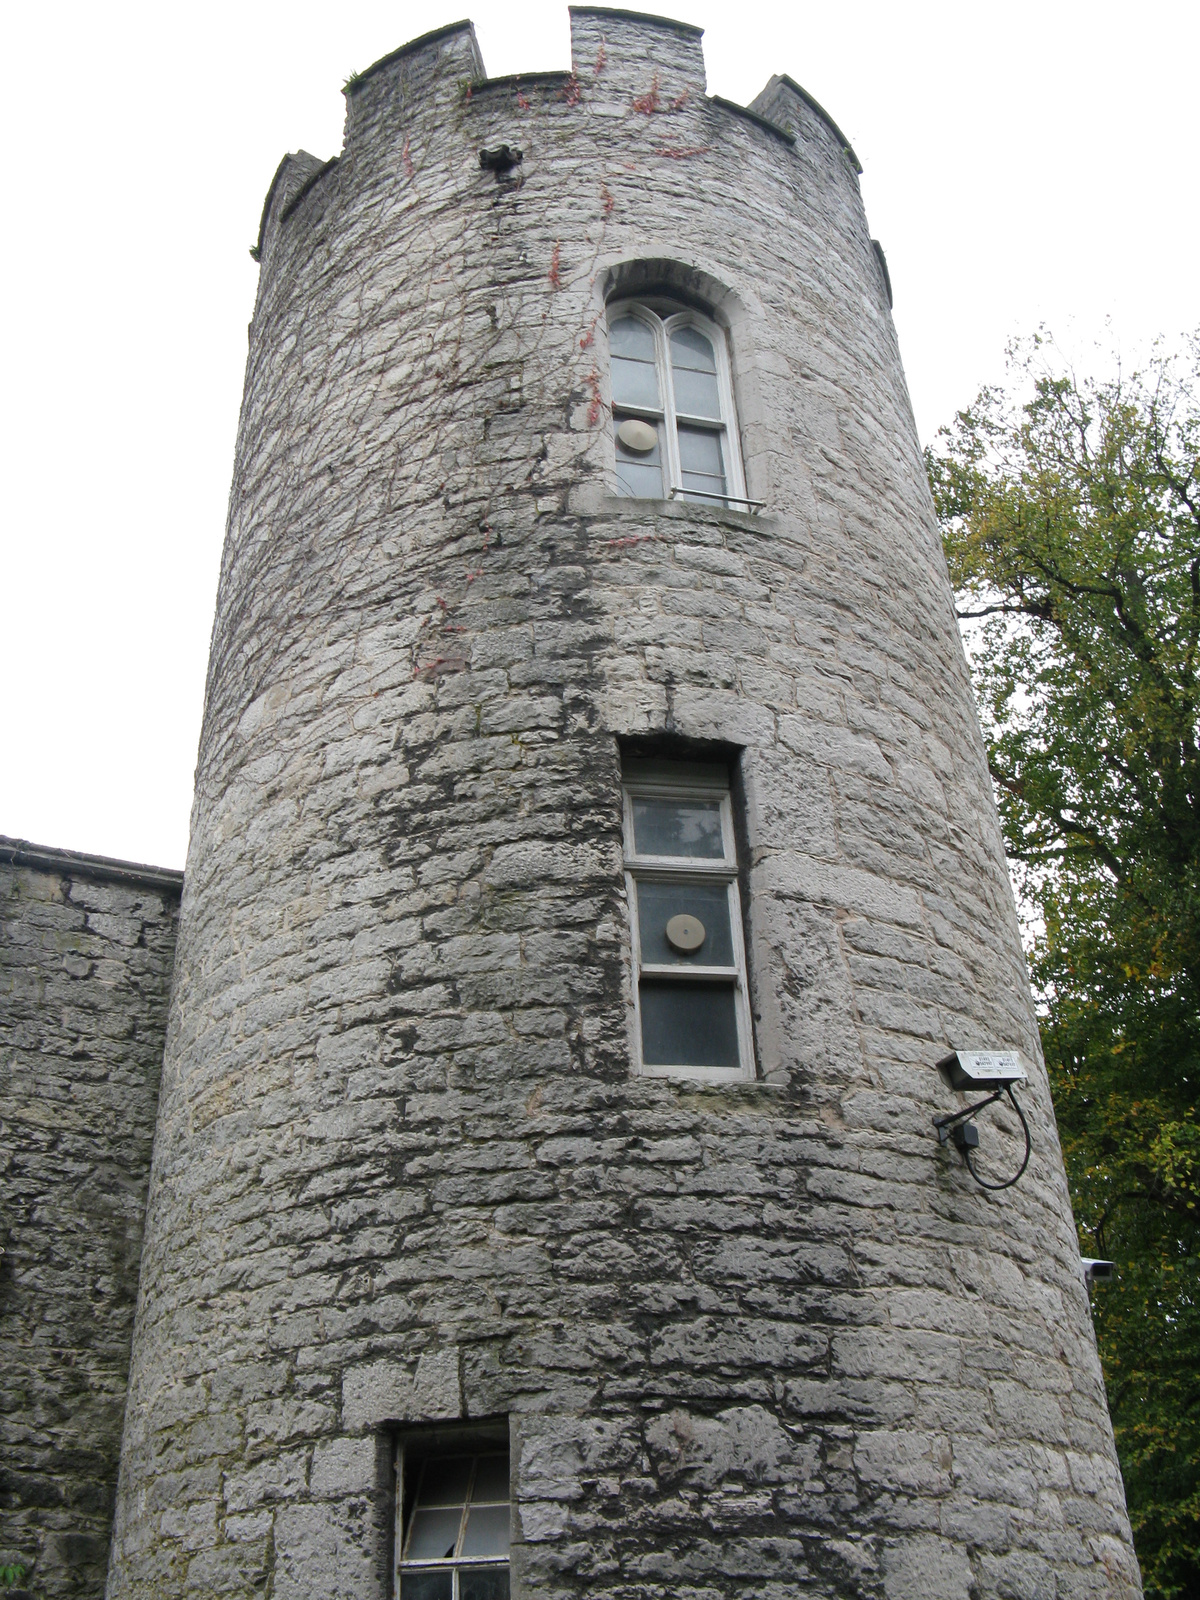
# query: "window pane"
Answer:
x=426 y=1585
x=639 y=474
x=696 y=395
x=709 y=902
x=487 y=1531
x=688 y=1024
x=434 y=1535
x=483 y=1583
x=692 y=350
x=700 y=458
x=694 y=373
x=491 y=1479
x=444 y=1483
x=635 y=383
x=630 y=336
x=663 y=827
x=634 y=373
x=638 y=481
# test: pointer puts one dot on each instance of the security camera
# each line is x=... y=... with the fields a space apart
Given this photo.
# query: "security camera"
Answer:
x=982 y=1069
x=1096 y=1271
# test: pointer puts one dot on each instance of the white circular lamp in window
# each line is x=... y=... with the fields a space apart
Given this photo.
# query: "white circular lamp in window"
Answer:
x=637 y=436
x=685 y=933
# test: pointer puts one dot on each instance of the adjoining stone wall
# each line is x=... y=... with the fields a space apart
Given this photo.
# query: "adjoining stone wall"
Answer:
x=756 y=1340
x=86 y=948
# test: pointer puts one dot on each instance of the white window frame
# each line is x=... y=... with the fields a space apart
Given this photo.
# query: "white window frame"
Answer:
x=666 y=419
x=687 y=869
x=454 y=1565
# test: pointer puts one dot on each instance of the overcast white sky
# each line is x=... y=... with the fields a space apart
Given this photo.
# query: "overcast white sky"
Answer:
x=1025 y=163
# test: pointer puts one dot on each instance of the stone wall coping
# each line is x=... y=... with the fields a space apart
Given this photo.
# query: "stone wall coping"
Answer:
x=546 y=79
x=309 y=183
x=294 y=158
x=444 y=32
x=522 y=80
x=815 y=105
x=688 y=28
x=76 y=863
x=753 y=116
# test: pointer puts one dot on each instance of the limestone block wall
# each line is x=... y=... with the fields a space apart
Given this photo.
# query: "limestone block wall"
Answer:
x=86 y=948
x=751 y=1341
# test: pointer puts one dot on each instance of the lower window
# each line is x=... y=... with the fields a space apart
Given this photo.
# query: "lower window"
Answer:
x=454 y=1520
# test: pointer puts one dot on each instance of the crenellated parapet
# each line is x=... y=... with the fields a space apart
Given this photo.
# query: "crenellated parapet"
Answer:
x=628 y=71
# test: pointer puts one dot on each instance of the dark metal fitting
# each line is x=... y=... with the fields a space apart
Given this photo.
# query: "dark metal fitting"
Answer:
x=965 y=1135
x=501 y=160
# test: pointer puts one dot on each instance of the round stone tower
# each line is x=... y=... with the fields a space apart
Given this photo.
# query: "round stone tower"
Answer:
x=593 y=854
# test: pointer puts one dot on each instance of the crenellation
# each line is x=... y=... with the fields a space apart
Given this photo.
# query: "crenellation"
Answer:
x=426 y=77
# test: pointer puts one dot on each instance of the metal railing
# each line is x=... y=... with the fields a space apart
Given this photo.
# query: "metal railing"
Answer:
x=730 y=501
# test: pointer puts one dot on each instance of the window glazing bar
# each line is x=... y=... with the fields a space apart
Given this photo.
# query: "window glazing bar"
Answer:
x=681 y=969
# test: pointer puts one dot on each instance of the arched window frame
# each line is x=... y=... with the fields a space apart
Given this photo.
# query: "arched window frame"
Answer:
x=666 y=418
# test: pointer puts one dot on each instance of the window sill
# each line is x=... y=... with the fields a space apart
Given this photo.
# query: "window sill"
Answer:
x=628 y=509
x=713 y=1078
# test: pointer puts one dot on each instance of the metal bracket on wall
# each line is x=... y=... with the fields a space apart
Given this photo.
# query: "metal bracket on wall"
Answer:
x=501 y=159
x=959 y=1129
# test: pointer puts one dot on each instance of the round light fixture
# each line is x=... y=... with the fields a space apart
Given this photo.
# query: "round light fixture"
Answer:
x=637 y=436
x=685 y=933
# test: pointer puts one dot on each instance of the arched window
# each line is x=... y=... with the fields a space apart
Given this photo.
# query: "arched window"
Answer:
x=673 y=422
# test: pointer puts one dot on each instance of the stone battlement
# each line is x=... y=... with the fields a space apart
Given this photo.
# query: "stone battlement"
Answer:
x=627 y=68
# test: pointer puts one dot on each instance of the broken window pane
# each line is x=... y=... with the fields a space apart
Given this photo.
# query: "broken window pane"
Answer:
x=434 y=1535
x=437 y=1531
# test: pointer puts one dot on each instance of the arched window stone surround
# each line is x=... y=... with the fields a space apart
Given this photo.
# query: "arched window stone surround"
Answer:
x=738 y=312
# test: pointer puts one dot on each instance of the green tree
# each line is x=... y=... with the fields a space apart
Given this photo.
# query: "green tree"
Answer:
x=1070 y=510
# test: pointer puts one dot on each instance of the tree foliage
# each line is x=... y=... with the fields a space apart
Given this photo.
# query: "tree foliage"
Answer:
x=1070 y=510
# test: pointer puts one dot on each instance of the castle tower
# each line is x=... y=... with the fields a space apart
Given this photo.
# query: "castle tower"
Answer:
x=592 y=857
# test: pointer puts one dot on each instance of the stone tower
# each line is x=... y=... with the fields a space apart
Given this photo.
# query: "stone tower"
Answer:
x=574 y=1145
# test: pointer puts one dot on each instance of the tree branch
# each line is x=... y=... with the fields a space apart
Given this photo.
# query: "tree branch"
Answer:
x=1065 y=825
